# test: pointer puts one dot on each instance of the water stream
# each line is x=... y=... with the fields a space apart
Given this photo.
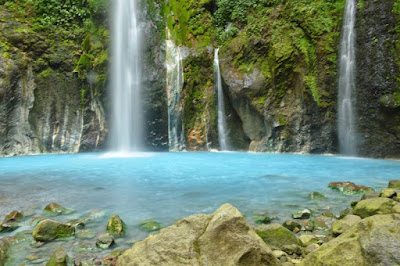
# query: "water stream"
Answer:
x=222 y=127
x=346 y=127
x=127 y=114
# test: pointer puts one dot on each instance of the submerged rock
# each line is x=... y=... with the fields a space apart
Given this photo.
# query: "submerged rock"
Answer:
x=116 y=226
x=48 y=230
x=85 y=234
x=4 y=245
x=349 y=188
x=150 y=225
x=316 y=195
x=105 y=241
x=7 y=227
x=344 y=224
x=59 y=258
x=222 y=238
x=275 y=235
x=258 y=219
x=394 y=184
x=374 y=206
x=54 y=209
x=372 y=241
x=14 y=216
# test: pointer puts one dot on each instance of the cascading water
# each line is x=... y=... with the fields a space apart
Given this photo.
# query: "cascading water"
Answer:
x=127 y=123
x=174 y=89
x=347 y=141
x=222 y=128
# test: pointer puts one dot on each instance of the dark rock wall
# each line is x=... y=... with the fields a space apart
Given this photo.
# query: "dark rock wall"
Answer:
x=378 y=110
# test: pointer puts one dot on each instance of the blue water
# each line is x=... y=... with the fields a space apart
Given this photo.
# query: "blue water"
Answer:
x=168 y=186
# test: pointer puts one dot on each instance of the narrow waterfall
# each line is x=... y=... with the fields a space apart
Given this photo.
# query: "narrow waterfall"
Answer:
x=346 y=127
x=222 y=128
x=174 y=89
x=127 y=114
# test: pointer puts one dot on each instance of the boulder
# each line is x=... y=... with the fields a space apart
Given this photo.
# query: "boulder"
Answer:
x=275 y=235
x=344 y=224
x=323 y=222
x=389 y=193
x=150 y=225
x=346 y=212
x=349 y=188
x=59 y=258
x=14 y=216
x=105 y=241
x=116 y=226
x=374 y=206
x=291 y=225
x=7 y=227
x=394 y=184
x=303 y=214
x=370 y=195
x=48 y=230
x=307 y=240
x=372 y=241
x=222 y=238
x=258 y=219
x=55 y=209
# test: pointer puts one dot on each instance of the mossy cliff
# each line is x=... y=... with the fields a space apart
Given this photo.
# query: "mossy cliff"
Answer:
x=278 y=62
x=53 y=62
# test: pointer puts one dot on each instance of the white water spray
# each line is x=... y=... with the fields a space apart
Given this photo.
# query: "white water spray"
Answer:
x=346 y=127
x=127 y=123
x=222 y=127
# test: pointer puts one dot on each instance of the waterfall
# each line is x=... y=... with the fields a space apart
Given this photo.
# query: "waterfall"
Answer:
x=174 y=89
x=347 y=141
x=127 y=114
x=222 y=135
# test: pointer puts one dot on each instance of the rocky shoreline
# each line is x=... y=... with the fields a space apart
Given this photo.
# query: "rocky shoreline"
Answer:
x=365 y=233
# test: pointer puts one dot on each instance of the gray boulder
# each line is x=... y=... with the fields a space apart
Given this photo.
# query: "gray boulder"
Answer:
x=222 y=238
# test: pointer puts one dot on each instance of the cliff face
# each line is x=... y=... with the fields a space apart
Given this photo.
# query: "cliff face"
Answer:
x=278 y=62
x=48 y=103
x=378 y=101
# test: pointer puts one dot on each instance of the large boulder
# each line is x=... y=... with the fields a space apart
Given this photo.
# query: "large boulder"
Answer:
x=48 y=230
x=222 y=238
x=276 y=235
x=372 y=241
x=374 y=206
x=344 y=224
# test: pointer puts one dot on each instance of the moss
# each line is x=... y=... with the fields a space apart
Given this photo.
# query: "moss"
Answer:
x=45 y=73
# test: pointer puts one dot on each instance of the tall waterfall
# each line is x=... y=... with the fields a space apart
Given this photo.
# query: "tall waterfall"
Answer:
x=174 y=89
x=347 y=140
x=127 y=123
x=222 y=128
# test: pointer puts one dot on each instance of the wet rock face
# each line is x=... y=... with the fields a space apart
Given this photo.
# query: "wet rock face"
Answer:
x=44 y=113
x=376 y=80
